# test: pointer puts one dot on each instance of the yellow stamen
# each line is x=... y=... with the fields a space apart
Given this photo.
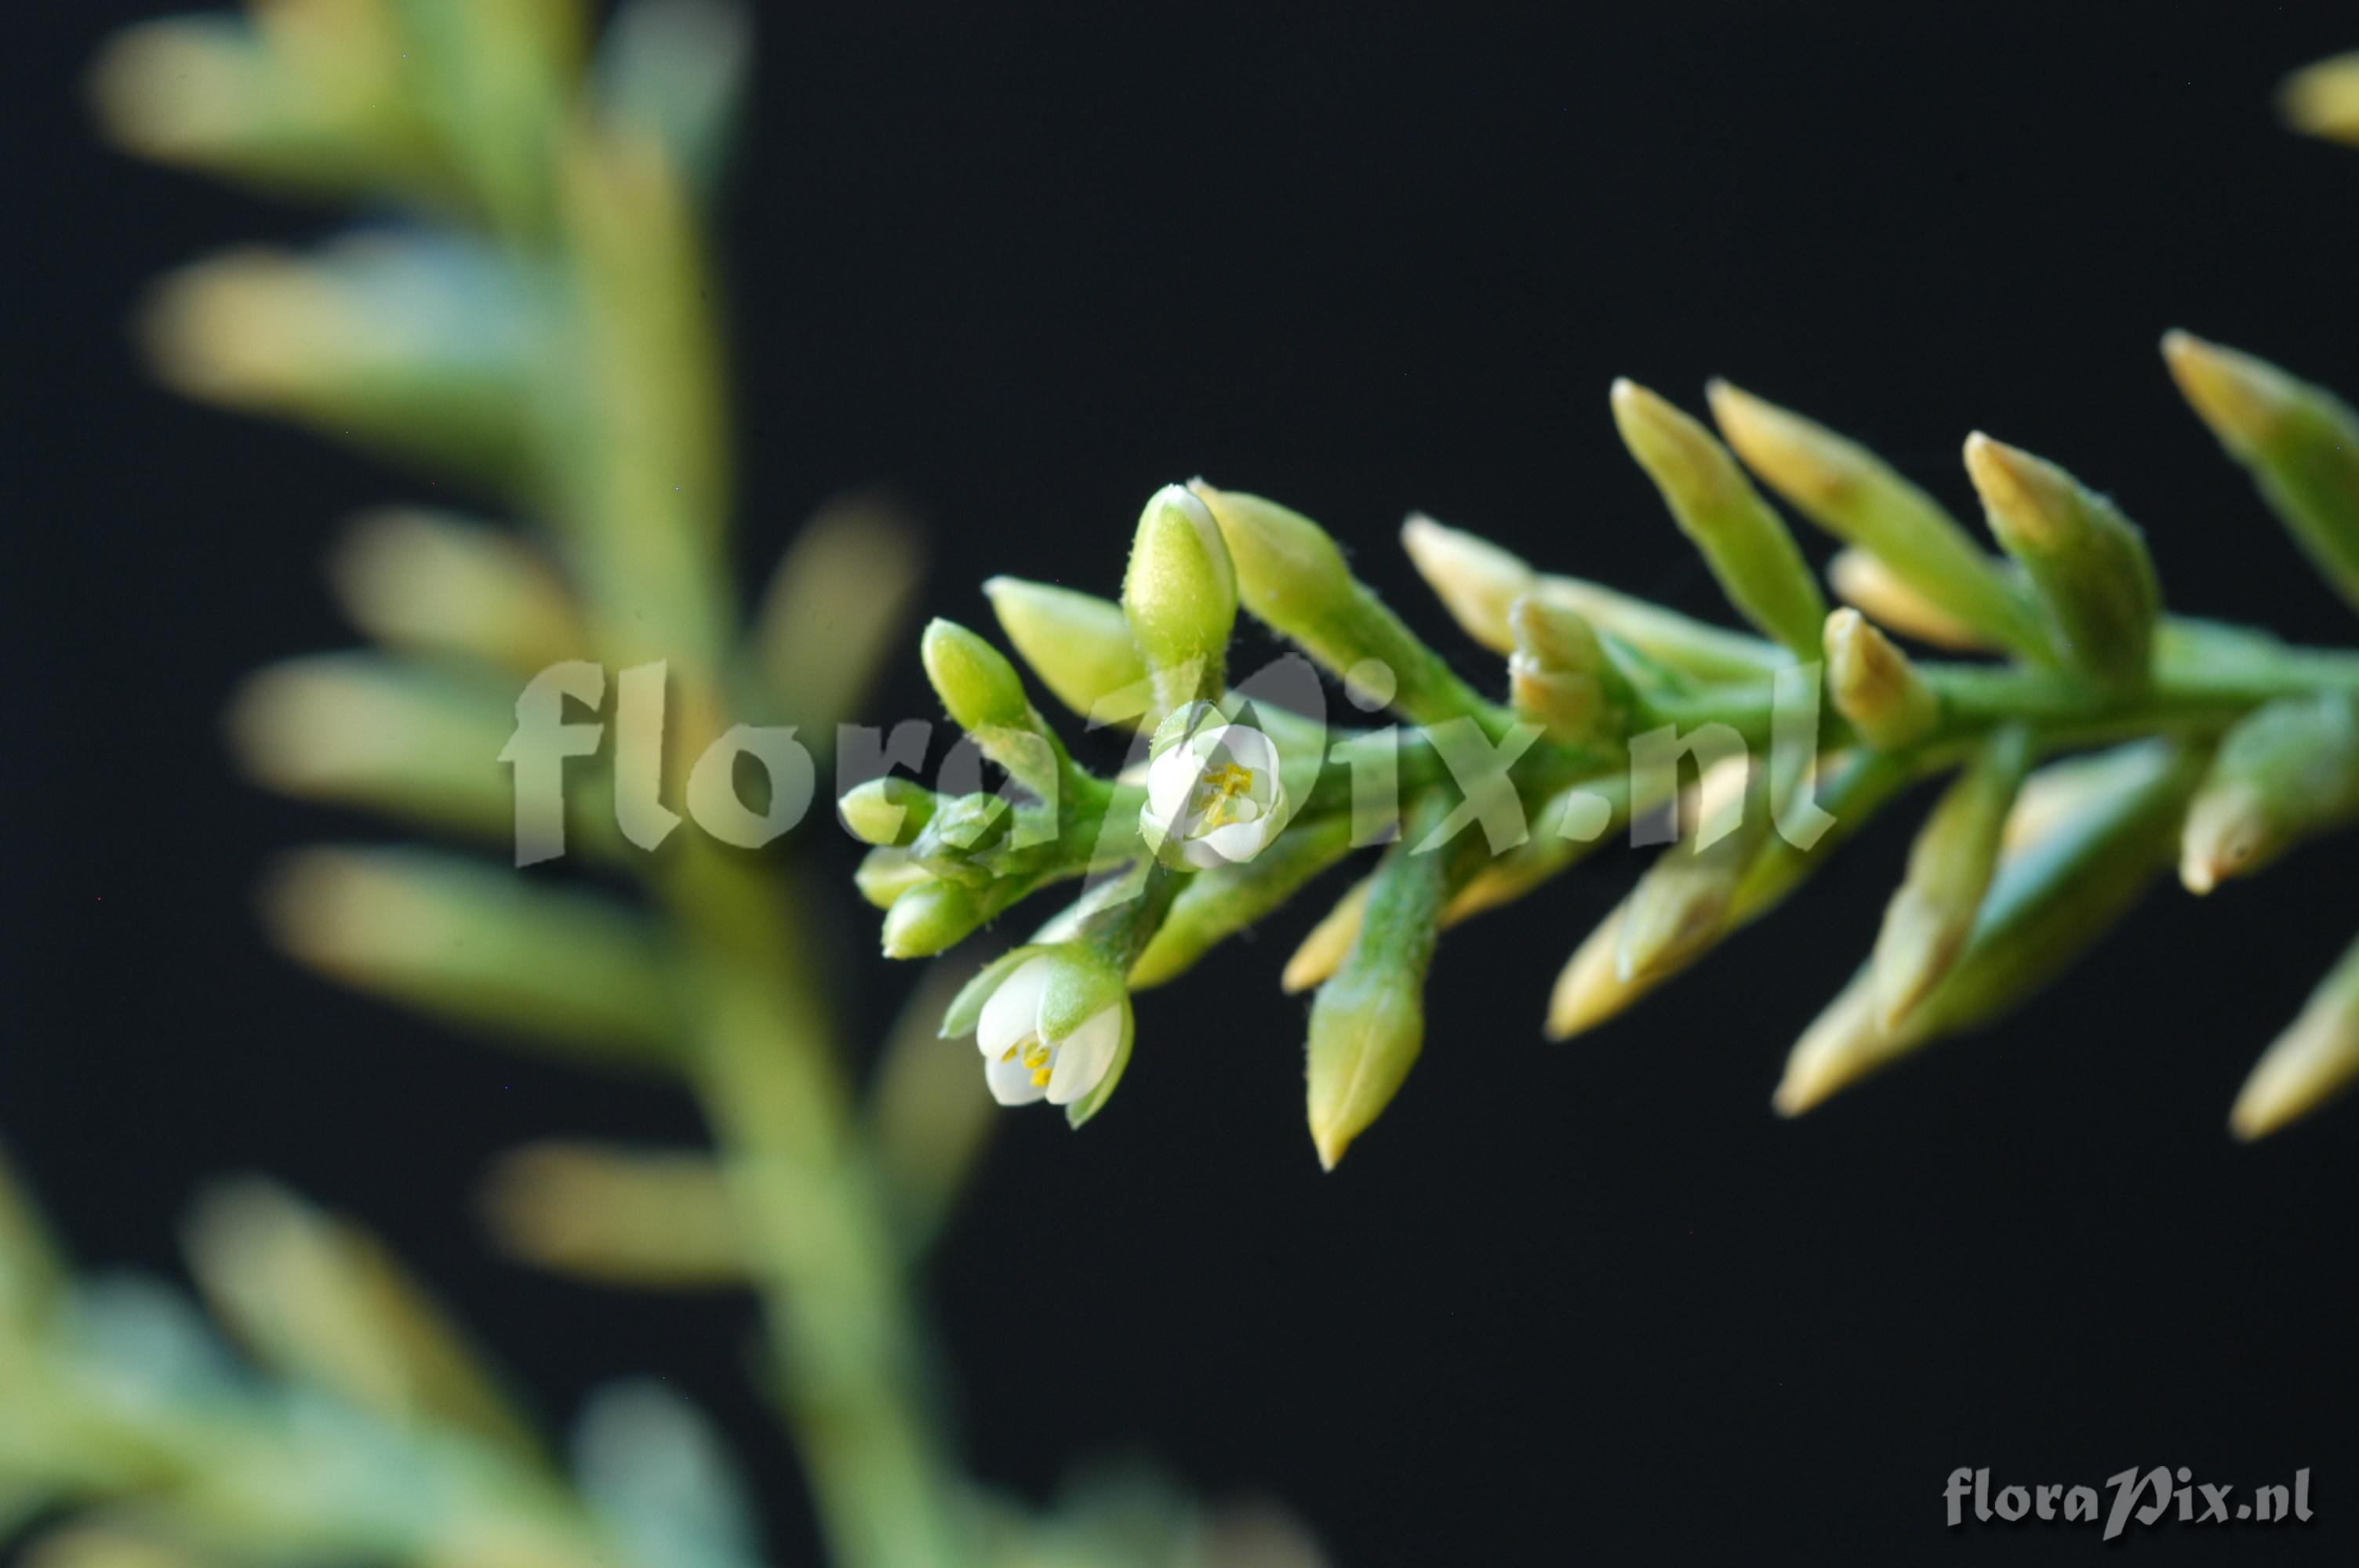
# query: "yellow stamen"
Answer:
x=1037 y=1056
x=1217 y=792
x=1040 y=1077
x=1009 y=1054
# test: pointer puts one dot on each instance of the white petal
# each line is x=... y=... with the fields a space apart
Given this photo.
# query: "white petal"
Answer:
x=1171 y=782
x=1236 y=841
x=1011 y=1082
x=1013 y=1013
x=1251 y=750
x=1082 y=1059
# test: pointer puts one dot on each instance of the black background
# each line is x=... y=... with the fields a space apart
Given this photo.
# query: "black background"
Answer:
x=1589 y=1301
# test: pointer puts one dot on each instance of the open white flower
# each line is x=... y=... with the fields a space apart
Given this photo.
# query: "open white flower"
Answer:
x=1025 y=1058
x=1214 y=795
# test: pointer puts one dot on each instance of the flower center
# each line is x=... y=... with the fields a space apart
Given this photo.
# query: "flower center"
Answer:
x=1214 y=803
x=1037 y=1055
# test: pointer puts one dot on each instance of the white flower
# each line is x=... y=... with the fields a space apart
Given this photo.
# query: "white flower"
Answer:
x=1215 y=795
x=1022 y=1062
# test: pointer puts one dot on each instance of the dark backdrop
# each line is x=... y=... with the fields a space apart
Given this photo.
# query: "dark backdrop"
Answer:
x=1581 y=1302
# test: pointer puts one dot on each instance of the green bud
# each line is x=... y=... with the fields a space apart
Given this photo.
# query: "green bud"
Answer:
x=428 y=582
x=1950 y=869
x=304 y=99
x=1559 y=676
x=886 y=874
x=984 y=697
x=1292 y=578
x=2311 y=1061
x=1681 y=905
x=1181 y=597
x=418 y=348
x=1866 y=582
x=2301 y=443
x=2056 y=893
x=930 y=918
x=32 y=1276
x=1475 y=579
x=1875 y=685
x=413 y=740
x=2323 y=99
x=979 y=688
x=2086 y=561
x=616 y=1216
x=969 y=823
x=1744 y=543
x=1694 y=648
x=1367 y=1023
x=568 y=970
x=1855 y=496
x=2288 y=770
x=889 y=812
x=1079 y=644
x=1589 y=990
x=835 y=608
x=325 y=1304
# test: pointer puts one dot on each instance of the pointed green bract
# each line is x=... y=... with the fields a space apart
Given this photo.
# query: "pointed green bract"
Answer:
x=1748 y=547
x=2301 y=442
x=1852 y=494
x=2087 y=562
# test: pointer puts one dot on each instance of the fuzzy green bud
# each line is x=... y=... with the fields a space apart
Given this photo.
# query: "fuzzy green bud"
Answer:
x=888 y=812
x=1852 y=494
x=2286 y=771
x=2301 y=442
x=930 y=918
x=979 y=688
x=2312 y=1061
x=1875 y=685
x=984 y=697
x=1079 y=644
x=1747 y=545
x=2086 y=561
x=1950 y=869
x=1181 y=597
x=1292 y=578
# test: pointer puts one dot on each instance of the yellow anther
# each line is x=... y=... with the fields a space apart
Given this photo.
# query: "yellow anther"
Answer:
x=1036 y=1057
x=1041 y=1076
x=1216 y=794
x=1009 y=1054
